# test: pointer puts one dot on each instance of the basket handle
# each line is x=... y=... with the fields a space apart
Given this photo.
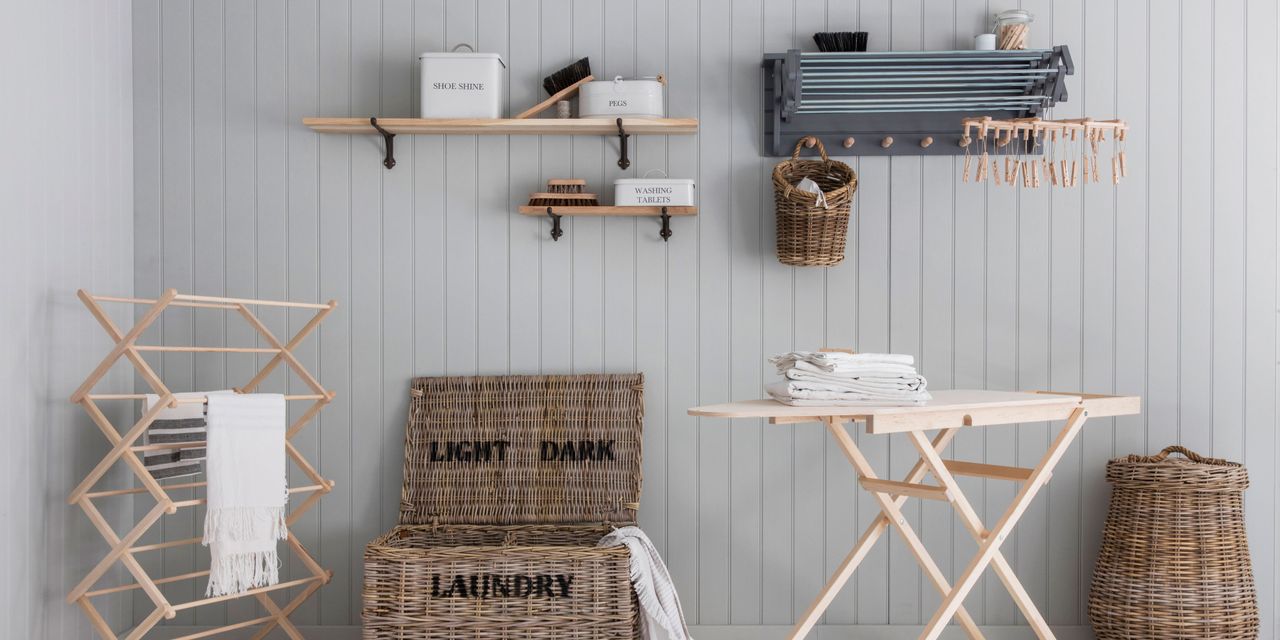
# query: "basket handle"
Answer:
x=1186 y=453
x=795 y=155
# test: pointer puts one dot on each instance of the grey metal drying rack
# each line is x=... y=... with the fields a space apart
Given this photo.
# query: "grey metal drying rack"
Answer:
x=886 y=103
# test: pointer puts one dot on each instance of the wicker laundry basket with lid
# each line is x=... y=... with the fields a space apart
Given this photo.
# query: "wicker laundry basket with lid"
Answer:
x=509 y=483
x=1174 y=562
x=809 y=234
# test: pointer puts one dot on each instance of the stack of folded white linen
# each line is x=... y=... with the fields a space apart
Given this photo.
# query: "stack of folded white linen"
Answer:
x=836 y=378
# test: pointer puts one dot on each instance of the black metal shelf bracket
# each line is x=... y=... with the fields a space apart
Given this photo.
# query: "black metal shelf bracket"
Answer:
x=556 y=231
x=388 y=139
x=666 y=225
x=623 y=162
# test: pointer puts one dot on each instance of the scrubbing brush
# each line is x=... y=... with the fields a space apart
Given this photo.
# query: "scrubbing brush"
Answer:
x=563 y=200
x=841 y=41
x=566 y=185
x=561 y=85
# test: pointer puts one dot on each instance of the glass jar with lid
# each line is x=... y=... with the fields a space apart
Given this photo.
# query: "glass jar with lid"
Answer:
x=1013 y=28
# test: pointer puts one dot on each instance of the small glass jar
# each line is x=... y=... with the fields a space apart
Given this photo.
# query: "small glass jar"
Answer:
x=1013 y=28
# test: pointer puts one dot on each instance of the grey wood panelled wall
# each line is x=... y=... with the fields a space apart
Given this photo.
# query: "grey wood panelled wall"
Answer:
x=1164 y=286
x=66 y=222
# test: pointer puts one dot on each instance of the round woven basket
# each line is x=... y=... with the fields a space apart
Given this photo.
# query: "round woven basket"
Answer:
x=810 y=235
x=1174 y=562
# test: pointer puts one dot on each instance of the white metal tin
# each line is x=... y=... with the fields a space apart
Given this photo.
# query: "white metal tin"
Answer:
x=462 y=85
x=618 y=97
x=653 y=192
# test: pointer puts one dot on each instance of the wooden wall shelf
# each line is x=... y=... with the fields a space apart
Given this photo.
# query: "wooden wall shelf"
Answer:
x=389 y=128
x=530 y=210
x=507 y=126
x=555 y=213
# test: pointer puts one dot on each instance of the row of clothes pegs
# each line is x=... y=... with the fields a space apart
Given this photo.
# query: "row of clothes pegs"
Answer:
x=1030 y=150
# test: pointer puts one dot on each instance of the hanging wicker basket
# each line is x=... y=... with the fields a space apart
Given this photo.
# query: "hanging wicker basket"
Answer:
x=1174 y=562
x=810 y=235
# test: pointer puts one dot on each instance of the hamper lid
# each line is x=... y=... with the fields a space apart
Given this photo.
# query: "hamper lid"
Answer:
x=523 y=449
x=1189 y=473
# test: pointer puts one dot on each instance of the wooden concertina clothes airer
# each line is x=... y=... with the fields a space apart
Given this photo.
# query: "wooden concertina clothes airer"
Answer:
x=124 y=447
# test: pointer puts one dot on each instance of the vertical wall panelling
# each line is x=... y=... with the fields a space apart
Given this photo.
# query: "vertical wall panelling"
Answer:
x=1066 y=316
x=177 y=254
x=937 y=249
x=1034 y=296
x=1164 y=286
x=1261 y=158
x=842 y=526
x=66 y=222
x=745 y=357
x=370 y=422
x=684 y=434
x=526 y=233
x=208 y=225
x=147 y=216
x=651 y=277
x=810 y=569
x=302 y=18
x=779 y=602
x=714 y=268
x=337 y=543
x=586 y=243
x=1097 y=296
x=621 y=237
x=493 y=194
x=905 y=276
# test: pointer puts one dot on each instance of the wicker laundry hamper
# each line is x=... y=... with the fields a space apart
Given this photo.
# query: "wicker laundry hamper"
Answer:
x=1174 y=562
x=810 y=235
x=509 y=483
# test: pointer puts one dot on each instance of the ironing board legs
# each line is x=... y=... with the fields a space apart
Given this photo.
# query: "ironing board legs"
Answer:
x=860 y=550
x=991 y=545
x=989 y=541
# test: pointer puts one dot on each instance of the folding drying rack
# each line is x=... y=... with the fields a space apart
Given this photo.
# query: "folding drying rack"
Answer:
x=124 y=447
x=902 y=102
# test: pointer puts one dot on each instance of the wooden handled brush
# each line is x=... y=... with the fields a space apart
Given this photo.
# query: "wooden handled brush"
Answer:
x=561 y=85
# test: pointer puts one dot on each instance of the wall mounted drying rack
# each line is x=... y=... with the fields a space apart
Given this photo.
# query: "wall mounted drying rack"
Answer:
x=887 y=103
x=389 y=128
x=556 y=213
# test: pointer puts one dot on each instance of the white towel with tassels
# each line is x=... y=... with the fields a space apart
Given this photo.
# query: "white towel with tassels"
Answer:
x=662 y=617
x=247 y=490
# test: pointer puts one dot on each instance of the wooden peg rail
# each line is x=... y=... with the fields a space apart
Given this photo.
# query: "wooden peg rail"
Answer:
x=124 y=548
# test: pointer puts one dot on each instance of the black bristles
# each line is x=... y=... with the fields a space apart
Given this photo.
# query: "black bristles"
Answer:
x=841 y=41
x=566 y=76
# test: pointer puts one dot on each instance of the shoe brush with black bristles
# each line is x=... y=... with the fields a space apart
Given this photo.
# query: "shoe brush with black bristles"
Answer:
x=563 y=200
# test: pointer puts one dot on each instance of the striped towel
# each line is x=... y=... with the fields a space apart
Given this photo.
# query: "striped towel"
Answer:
x=177 y=426
x=662 y=618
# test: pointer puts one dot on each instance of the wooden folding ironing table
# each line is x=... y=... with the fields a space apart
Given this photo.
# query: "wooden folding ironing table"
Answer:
x=948 y=412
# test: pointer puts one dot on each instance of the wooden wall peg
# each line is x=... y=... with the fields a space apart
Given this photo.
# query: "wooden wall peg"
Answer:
x=928 y=140
x=887 y=142
x=810 y=141
x=848 y=142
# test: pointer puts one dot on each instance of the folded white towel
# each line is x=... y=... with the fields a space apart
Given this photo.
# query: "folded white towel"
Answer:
x=869 y=369
x=838 y=361
x=782 y=392
x=896 y=385
x=247 y=490
x=662 y=616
